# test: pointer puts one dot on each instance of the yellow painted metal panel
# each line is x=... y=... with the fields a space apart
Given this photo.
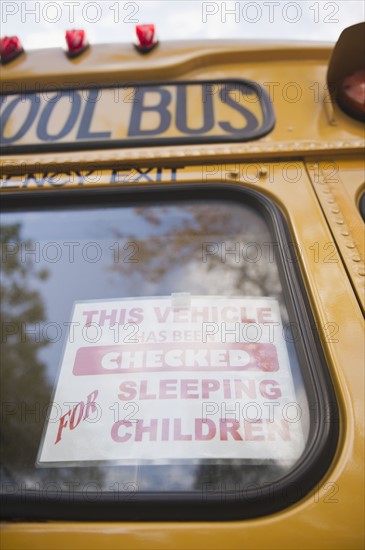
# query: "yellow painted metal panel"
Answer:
x=332 y=515
x=294 y=78
x=338 y=185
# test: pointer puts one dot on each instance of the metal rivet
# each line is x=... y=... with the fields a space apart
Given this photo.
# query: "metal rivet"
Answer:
x=361 y=271
x=345 y=233
x=356 y=259
x=350 y=245
x=335 y=211
x=263 y=172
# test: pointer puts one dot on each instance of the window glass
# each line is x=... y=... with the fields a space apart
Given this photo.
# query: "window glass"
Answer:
x=163 y=257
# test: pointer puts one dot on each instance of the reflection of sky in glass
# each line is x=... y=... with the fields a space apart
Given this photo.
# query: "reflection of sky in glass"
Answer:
x=169 y=240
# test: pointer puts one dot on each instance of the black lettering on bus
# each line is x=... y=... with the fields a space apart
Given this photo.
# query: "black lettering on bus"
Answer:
x=33 y=110
x=75 y=102
x=251 y=122
x=181 y=110
x=32 y=177
x=87 y=117
x=54 y=179
x=139 y=108
x=143 y=174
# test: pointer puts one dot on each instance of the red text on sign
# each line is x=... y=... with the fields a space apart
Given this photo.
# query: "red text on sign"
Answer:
x=80 y=412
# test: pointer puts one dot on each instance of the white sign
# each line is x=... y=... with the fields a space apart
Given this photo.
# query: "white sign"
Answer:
x=180 y=377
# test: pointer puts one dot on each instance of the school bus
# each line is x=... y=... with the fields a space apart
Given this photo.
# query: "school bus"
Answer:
x=183 y=294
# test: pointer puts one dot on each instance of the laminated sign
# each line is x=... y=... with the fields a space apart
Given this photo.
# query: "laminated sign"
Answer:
x=173 y=378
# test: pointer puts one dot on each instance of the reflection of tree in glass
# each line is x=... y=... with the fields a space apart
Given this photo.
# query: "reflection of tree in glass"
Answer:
x=25 y=391
x=209 y=248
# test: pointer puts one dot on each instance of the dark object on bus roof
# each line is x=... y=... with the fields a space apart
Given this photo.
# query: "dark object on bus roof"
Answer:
x=345 y=71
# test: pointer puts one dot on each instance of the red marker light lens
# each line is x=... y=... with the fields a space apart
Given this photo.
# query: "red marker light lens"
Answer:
x=10 y=48
x=146 y=38
x=352 y=95
x=76 y=42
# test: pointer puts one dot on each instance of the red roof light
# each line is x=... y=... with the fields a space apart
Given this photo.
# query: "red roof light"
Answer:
x=352 y=95
x=10 y=48
x=76 y=42
x=146 y=38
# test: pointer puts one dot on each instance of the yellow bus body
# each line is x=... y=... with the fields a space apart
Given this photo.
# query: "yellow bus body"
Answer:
x=312 y=166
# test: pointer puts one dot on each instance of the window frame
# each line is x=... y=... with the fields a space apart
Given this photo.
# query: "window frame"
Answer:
x=362 y=205
x=191 y=506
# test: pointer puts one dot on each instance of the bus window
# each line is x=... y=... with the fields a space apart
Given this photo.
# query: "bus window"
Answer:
x=214 y=387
